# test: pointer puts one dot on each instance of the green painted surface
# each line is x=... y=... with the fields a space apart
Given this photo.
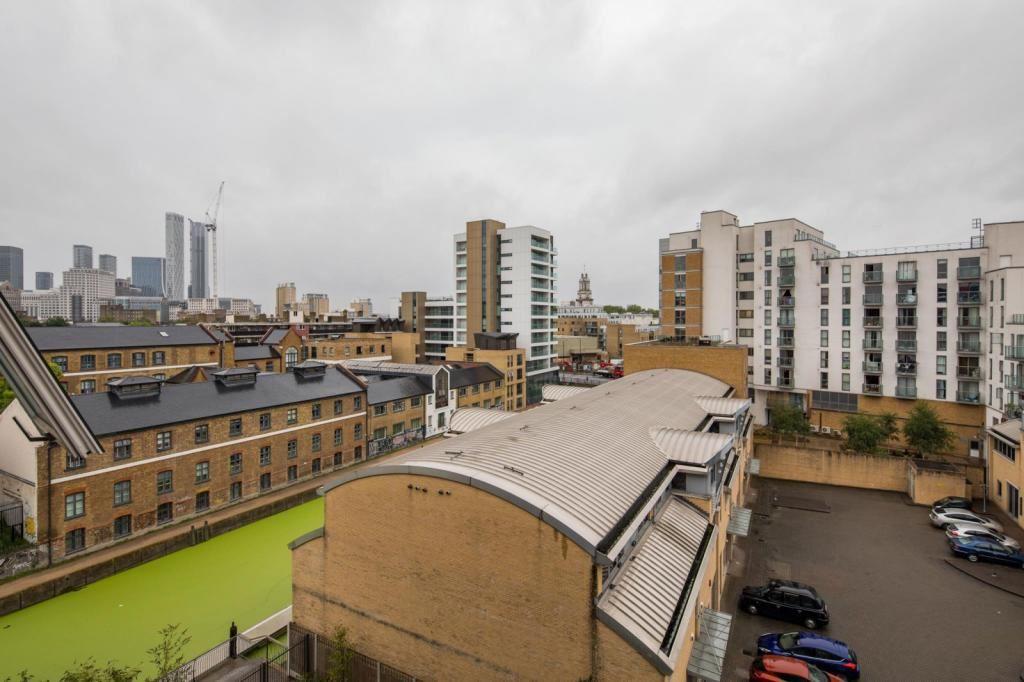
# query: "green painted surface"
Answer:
x=244 y=575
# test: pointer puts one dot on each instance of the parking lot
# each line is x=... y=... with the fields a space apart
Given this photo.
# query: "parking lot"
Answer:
x=880 y=566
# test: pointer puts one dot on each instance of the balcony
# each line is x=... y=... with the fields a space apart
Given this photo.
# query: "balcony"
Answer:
x=784 y=382
x=784 y=342
x=905 y=276
x=872 y=367
x=784 y=362
x=906 y=369
x=1014 y=382
x=787 y=261
x=787 y=301
x=872 y=344
x=906 y=344
x=873 y=321
x=969 y=373
x=973 y=347
x=970 y=397
x=906 y=299
x=871 y=389
x=906 y=391
x=906 y=322
x=873 y=299
x=786 y=280
x=969 y=272
x=1014 y=352
x=872 y=276
x=968 y=297
x=786 y=321
x=970 y=322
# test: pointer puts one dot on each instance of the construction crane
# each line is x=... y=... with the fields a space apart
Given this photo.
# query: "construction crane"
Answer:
x=211 y=226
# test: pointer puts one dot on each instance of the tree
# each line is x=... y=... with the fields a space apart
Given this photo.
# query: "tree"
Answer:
x=788 y=419
x=168 y=656
x=864 y=433
x=612 y=309
x=89 y=671
x=140 y=323
x=890 y=427
x=339 y=657
x=56 y=322
x=924 y=432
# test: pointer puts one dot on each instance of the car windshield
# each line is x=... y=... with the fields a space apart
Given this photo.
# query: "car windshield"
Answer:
x=787 y=641
x=815 y=675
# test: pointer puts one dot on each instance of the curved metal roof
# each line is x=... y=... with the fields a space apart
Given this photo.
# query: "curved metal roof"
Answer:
x=468 y=419
x=722 y=407
x=553 y=392
x=689 y=447
x=579 y=463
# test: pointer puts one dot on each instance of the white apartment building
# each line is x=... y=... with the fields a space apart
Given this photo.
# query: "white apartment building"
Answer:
x=438 y=326
x=859 y=331
x=42 y=305
x=83 y=290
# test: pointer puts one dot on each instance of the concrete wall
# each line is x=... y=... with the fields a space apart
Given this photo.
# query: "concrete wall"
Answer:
x=18 y=475
x=832 y=467
x=931 y=485
x=725 y=363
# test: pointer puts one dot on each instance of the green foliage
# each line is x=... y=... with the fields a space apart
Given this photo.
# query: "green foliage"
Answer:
x=925 y=433
x=167 y=656
x=339 y=657
x=864 y=433
x=610 y=309
x=89 y=671
x=56 y=322
x=140 y=323
x=890 y=427
x=631 y=308
x=788 y=419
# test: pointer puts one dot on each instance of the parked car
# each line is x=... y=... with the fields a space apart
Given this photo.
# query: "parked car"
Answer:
x=969 y=531
x=942 y=517
x=952 y=502
x=787 y=669
x=830 y=655
x=985 y=550
x=786 y=600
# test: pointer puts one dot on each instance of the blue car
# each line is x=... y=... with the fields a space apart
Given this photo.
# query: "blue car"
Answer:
x=979 y=549
x=826 y=653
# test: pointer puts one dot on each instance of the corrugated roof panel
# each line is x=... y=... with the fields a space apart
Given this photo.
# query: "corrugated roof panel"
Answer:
x=468 y=419
x=722 y=407
x=553 y=392
x=1008 y=430
x=689 y=447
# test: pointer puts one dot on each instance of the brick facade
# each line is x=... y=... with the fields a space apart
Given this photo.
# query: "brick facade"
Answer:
x=725 y=363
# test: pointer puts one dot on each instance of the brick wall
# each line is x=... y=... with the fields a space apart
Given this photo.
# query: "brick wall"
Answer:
x=400 y=412
x=175 y=359
x=725 y=363
x=934 y=485
x=878 y=472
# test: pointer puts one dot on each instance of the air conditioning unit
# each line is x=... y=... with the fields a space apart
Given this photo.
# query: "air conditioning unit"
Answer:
x=837 y=433
x=826 y=430
x=814 y=428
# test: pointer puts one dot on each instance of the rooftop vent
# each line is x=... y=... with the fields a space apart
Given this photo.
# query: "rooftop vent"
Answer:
x=310 y=369
x=134 y=387
x=236 y=376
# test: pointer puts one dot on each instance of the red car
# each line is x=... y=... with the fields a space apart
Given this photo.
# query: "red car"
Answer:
x=786 y=669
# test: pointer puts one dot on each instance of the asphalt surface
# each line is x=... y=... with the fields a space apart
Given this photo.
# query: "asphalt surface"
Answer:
x=880 y=566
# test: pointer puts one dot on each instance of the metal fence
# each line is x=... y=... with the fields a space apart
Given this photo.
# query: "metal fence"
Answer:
x=208 y=660
x=389 y=443
x=12 y=521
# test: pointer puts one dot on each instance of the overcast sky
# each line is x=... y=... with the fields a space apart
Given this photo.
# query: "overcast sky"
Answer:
x=356 y=138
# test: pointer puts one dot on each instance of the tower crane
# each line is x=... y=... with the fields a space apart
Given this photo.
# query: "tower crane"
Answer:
x=211 y=226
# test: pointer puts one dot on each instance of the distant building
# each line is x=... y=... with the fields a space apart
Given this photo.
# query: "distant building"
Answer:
x=432 y=319
x=12 y=295
x=123 y=287
x=316 y=305
x=42 y=305
x=81 y=256
x=44 y=281
x=174 y=255
x=12 y=266
x=83 y=290
x=285 y=300
x=149 y=275
x=500 y=351
x=108 y=263
x=199 y=285
x=136 y=307
x=361 y=307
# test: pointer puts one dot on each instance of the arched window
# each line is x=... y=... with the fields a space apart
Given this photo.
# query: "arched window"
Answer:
x=291 y=358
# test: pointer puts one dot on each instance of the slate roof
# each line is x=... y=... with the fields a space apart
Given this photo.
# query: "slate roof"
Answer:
x=274 y=336
x=105 y=413
x=468 y=375
x=382 y=389
x=260 y=352
x=117 y=336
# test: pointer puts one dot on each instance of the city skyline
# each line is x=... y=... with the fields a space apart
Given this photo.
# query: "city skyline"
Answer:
x=840 y=127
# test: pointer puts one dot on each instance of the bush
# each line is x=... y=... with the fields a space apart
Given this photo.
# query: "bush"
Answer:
x=925 y=433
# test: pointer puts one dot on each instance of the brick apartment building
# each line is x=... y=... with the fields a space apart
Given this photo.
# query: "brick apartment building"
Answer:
x=173 y=452
x=92 y=356
x=497 y=349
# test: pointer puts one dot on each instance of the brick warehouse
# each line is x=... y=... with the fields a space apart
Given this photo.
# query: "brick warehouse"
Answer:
x=90 y=357
x=173 y=452
x=584 y=540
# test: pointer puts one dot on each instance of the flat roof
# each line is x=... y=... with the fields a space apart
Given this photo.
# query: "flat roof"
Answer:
x=117 y=336
x=1008 y=430
x=580 y=463
x=106 y=413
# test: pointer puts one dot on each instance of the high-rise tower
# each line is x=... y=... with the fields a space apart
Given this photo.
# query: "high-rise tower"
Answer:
x=174 y=256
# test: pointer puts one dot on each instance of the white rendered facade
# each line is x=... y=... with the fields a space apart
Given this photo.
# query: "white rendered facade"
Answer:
x=438 y=326
x=82 y=291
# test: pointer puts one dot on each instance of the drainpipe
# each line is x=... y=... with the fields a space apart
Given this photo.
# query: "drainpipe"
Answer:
x=49 y=504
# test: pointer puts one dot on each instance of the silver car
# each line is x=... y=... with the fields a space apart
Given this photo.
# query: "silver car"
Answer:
x=941 y=518
x=964 y=529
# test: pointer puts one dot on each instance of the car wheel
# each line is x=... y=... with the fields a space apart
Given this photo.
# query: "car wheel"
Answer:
x=751 y=609
x=973 y=558
x=810 y=623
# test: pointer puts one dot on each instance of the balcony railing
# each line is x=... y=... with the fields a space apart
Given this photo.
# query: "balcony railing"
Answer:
x=1014 y=352
x=784 y=382
x=972 y=346
x=973 y=322
x=872 y=344
x=784 y=342
x=872 y=276
x=906 y=322
x=787 y=261
x=873 y=299
x=907 y=369
x=906 y=299
x=873 y=321
x=787 y=301
x=906 y=391
x=786 y=321
x=784 y=362
x=872 y=389
x=969 y=373
x=968 y=297
x=969 y=272
x=872 y=367
x=972 y=397
x=906 y=344
x=1014 y=382
x=905 y=276
x=786 y=280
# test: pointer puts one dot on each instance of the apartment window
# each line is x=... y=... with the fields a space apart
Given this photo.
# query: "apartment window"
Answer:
x=846 y=382
x=824 y=275
x=767 y=337
x=202 y=433
x=316 y=442
x=824 y=359
x=941 y=295
x=767 y=376
x=291 y=358
x=265 y=481
x=265 y=421
x=315 y=410
x=745 y=295
x=202 y=501
x=1002 y=289
x=293 y=449
x=138 y=359
x=380 y=432
x=88 y=361
x=236 y=491
x=824 y=317
x=846 y=317
x=235 y=463
x=399 y=405
x=744 y=277
x=165 y=512
x=941 y=268
x=767 y=278
x=122 y=493
x=123 y=526
x=74 y=541
x=235 y=427
x=824 y=337
x=293 y=415
x=846 y=359
x=293 y=472
x=265 y=455
x=846 y=274
x=940 y=364
x=382 y=409
x=315 y=466
x=940 y=389
x=337 y=437
x=61 y=361
x=269 y=367
x=159 y=357
x=940 y=317
x=743 y=333
x=940 y=341
x=202 y=472
x=417 y=400
x=357 y=431
x=337 y=459
x=163 y=441
x=740 y=314
x=768 y=258
x=164 y=482
x=768 y=297
x=1007 y=451
x=767 y=237
x=338 y=407
x=87 y=386
x=74 y=505
x=824 y=380
x=415 y=424
x=397 y=428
